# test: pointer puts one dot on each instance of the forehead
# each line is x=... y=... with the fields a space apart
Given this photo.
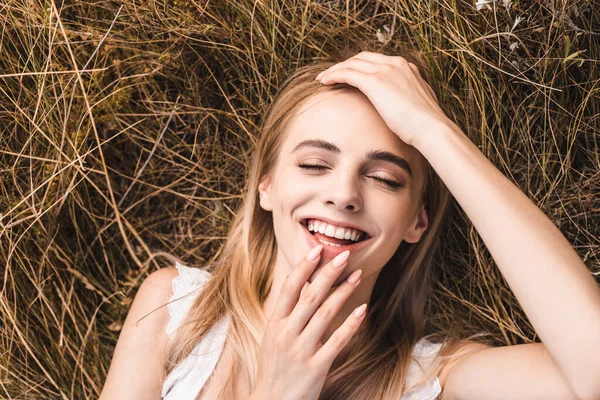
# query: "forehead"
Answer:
x=348 y=119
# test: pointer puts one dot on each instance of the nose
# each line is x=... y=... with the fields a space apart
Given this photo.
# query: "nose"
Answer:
x=343 y=193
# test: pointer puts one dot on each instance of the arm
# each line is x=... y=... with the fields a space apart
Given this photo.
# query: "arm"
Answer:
x=136 y=368
x=548 y=278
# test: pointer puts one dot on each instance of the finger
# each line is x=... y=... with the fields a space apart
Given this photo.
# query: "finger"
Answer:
x=340 y=338
x=313 y=295
x=378 y=58
x=374 y=57
x=354 y=63
x=321 y=320
x=350 y=76
x=293 y=284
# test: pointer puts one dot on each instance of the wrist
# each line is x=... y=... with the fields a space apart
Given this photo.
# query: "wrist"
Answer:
x=434 y=136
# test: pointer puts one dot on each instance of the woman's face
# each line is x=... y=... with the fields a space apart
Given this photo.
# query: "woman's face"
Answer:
x=341 y=132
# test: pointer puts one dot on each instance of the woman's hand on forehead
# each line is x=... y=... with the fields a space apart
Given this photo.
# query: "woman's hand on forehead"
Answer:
x=396 y=89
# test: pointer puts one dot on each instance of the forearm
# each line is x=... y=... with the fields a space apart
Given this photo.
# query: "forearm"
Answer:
x=548 y=278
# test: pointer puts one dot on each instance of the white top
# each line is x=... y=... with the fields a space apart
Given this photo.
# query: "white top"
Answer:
x=186 y=380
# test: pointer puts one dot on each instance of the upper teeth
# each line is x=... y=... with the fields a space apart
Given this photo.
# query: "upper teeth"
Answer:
x=315 y=225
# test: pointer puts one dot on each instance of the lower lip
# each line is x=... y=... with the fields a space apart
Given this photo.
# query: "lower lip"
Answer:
x=330 y=252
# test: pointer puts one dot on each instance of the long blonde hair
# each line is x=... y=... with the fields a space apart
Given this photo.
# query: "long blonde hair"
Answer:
x=242 y=274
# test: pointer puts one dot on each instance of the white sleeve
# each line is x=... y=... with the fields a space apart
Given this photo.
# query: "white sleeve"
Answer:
x=188 y=280
x=425 y=352
x=190 y=375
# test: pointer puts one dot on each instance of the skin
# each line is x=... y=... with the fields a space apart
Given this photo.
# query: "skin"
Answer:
x=345 y=191
x=545 y=273
x=548 y=278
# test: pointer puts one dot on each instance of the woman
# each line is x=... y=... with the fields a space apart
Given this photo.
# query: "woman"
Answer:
x=364 y=153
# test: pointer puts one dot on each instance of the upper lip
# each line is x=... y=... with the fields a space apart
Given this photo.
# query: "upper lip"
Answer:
x=337 y=223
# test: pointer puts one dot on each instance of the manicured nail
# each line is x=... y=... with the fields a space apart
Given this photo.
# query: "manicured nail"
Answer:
x=314 y=253
x=340 y=259
x=353 y=278
x=360 y=310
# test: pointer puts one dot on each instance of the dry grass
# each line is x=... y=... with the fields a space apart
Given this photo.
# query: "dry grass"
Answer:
x=125 y=131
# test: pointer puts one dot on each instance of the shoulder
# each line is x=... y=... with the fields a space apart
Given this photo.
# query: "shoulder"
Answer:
x=159 y=283
x=175 y=279
x=143 y=339
x=465 y=349
x=162 y=277
x=148 y=314
x=422 y=381
x=528 y=371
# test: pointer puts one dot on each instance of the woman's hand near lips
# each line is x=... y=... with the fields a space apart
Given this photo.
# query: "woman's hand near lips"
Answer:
x=396 y=89
x=293 y=361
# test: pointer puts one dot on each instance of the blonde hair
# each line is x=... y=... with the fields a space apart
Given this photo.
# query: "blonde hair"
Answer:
x=242 y=274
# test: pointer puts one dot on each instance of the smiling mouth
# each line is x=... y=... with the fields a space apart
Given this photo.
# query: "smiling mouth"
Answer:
x=332 y=241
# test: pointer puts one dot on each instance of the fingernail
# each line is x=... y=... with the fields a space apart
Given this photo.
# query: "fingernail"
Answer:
x=318 y=76
x=314 y=253
x=360 y=310
x=341 y=258
x=353 y=278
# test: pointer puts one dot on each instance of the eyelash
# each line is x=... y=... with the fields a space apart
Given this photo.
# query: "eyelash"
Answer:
x=393 y=184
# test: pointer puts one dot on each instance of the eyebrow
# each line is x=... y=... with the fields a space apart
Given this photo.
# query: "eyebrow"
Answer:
x=377 y=155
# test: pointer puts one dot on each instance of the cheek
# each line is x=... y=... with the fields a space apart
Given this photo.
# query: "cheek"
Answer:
x=294 y=192
x=286 y=197
x=396 y=220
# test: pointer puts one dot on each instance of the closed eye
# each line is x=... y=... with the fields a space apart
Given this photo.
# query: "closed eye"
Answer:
x=389 y=182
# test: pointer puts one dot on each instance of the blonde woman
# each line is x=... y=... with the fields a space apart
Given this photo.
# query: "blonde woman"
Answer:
x=320 y=290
